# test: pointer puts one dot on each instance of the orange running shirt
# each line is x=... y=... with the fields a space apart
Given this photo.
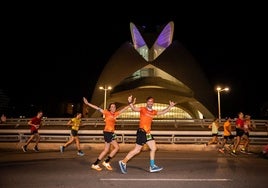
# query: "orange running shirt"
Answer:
x=146 y=117
x=227 y=129
x=110 y=119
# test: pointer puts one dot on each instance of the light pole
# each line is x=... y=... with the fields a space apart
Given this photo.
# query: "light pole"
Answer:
x=105 y=94
x=219 y=90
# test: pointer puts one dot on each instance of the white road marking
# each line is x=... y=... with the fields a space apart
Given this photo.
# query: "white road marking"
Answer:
x=124 y=179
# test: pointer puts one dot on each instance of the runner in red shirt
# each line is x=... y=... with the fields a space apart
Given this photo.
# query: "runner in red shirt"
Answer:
x=239 y=128
x=35 y=124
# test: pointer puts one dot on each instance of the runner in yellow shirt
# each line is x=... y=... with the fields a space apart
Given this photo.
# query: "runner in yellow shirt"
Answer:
x=75 y=124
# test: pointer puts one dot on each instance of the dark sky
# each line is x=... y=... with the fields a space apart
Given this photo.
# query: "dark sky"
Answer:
x=60 y=58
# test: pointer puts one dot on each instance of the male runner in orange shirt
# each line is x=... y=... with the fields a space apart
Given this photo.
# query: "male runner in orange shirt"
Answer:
x=143 y=133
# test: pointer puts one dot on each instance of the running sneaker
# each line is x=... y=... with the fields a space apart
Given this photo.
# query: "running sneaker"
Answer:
x=230 y=147
x=35 y=149
x=80 y=153
x=221 y=150
x=155 y=168
x=61 y=149
x=107 y=165
x=24 y=148
x=96 y=167
x=123 y=167
x=233 y=153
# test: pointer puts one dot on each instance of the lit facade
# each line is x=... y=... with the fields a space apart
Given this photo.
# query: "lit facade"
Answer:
x=154 y=65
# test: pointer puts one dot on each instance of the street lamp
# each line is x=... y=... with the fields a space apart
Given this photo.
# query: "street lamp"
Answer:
x=219 y=90
x=105 y=94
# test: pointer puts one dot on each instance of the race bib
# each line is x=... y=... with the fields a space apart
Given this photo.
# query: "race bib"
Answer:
x=148 y=136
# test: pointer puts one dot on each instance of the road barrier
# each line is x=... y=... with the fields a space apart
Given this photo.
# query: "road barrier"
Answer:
x=167 y=131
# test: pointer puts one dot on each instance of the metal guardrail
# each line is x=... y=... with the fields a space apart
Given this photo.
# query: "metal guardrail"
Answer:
x=169 y=131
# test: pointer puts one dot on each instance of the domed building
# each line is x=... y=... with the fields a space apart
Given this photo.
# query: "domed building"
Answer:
x=155 y=65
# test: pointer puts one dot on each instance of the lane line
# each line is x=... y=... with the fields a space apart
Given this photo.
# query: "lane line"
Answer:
x=134 y=179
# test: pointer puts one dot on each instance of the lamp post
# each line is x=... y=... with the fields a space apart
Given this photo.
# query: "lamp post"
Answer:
x=105 y=94
x=219 y=90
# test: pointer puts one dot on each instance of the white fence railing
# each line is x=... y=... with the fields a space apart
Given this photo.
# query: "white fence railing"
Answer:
x=170 y=131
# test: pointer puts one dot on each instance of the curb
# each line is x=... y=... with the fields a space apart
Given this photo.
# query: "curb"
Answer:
x=123 y=147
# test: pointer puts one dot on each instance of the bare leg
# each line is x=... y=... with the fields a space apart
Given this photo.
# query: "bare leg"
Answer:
x=238 y=139
x=77 y=141
x=69 y=142
x=37 y=139
x=223 y=143
x=105 y=151
x=153 y=148
x=132 y=153
x=115 y=148
x=30 y=139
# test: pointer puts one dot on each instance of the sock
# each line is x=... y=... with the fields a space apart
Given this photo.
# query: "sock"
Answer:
x=125 y=160
x=97 y=162
x=151 y=162
x=108 y=159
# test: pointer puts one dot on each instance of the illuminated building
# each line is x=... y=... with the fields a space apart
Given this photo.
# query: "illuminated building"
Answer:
x=155 y=65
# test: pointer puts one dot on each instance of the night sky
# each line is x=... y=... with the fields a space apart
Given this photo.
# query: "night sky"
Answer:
x=60 y=58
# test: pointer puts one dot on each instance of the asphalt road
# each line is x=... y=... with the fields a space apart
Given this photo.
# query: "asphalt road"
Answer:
x=187 y=169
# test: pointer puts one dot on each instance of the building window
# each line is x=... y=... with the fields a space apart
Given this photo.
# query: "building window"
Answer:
x=174 y=113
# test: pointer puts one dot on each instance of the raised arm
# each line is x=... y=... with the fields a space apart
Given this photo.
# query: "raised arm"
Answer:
x=123 y=109
x=92 y=105
x=126 y=107
x=131 y=103
x=171 y=104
